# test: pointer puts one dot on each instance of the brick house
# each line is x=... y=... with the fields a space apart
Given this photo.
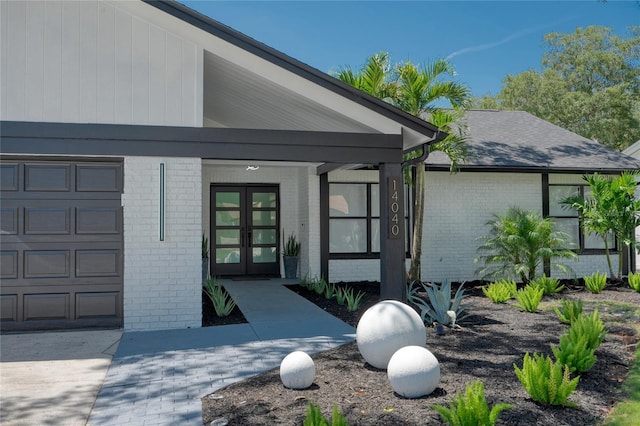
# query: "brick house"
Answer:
x=129 y=129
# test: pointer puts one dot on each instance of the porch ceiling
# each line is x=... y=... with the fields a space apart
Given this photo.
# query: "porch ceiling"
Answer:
x=240 y=98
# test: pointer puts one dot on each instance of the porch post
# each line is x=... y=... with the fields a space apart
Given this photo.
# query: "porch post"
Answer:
x=324 y=226
x=392 y=233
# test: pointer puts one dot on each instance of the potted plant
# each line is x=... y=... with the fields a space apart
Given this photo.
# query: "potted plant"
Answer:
x=205 y=258
x=290 y=254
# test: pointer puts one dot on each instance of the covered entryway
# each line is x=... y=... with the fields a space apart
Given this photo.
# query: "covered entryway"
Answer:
x=244 y=230
x=61 y=246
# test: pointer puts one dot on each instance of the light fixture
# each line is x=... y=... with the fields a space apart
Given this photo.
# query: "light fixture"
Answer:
x=163 y=193
x=252 y=167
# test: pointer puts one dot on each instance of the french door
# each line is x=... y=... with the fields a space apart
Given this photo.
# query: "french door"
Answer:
x=244 y=230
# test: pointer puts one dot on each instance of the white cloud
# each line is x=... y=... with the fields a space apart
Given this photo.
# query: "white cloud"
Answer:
x=505 y=40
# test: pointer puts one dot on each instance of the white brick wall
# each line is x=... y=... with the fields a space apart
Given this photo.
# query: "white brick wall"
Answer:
x=456 y=212
x=457 y=209
x=354 y=270
x=162 y=279
x=299 y=201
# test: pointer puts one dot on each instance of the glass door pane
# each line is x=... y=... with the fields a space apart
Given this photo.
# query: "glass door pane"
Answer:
x=263 y=230
x=228 y=231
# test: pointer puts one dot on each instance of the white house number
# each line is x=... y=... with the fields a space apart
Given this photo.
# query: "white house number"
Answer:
x=393 y=204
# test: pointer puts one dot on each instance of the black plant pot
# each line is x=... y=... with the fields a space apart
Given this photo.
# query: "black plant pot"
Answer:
x=290 y=266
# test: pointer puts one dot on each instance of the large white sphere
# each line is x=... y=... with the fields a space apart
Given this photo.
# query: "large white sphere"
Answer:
x=413 y=372
x=386 y=327
x=297 y=370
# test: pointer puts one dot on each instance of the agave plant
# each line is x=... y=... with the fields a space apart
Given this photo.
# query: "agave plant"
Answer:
x=439 y=303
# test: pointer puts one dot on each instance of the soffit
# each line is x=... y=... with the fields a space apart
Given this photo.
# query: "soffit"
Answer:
x=237 y=97
x=259 y=87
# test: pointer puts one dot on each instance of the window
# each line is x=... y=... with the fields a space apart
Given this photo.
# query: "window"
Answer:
x=567 y=219
x=354 y=219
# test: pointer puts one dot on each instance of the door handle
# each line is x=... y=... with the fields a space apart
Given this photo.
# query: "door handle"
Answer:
x=249 y=238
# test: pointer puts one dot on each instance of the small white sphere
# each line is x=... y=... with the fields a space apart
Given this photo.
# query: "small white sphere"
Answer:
x=386 y=327
x=413 y=372
x=297 y=370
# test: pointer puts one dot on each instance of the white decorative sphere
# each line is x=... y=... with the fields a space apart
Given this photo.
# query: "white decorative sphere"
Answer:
x=413 y=372
x=297 y=370
x=386 y=327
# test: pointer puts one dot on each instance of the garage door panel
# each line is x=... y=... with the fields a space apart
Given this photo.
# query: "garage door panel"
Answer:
x=103 y=220
x=98 y=305
x=52 y=306
x=8 y=221
x=98 y=263
x=8 y=265
x=47 y=177
x=9 y=307
x=61 y=244
x=99 y=177
x=9 y=176
x=47 y=221
x=47 y=263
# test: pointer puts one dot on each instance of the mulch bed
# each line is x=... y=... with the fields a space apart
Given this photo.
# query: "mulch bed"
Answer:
x=492 y=339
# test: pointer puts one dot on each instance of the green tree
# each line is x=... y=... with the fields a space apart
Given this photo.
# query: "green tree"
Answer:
x=519 y=243
x=610 y=208
x=418 y=90
x=590 y=84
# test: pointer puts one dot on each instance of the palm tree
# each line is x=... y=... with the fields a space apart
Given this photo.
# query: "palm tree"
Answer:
x=518 y=245
x=610 y=209
x=418 y=91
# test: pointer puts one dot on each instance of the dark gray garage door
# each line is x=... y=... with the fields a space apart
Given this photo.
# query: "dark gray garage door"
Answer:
x=61 y=244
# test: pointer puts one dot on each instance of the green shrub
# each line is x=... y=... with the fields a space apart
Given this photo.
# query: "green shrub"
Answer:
x=330 y=291
x=570 y=310
x=315 y=417
x=341 y=298
x=546 y=381
x=634 y=281
x=590 y=327
x=529 y=298
x=222 y=302
x=576 y=355
x=548 y=285
x=596 y=282
x=500 y=291
x=471 y=408
x=440 y=301
x=353 y=300
x=318 y=285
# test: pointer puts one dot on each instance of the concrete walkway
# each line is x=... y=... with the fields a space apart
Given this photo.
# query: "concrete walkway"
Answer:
x=158 y=377
x=53 y=378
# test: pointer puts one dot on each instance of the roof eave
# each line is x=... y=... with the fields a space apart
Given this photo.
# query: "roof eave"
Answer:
x=295 y=66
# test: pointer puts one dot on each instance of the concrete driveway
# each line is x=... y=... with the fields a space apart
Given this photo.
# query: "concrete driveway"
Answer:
x=53 y=378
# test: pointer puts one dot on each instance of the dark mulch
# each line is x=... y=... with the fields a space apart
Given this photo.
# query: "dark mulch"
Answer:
x=492 y=339
x=210 y=319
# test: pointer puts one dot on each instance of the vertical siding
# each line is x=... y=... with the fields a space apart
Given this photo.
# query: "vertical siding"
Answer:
x=92 y=61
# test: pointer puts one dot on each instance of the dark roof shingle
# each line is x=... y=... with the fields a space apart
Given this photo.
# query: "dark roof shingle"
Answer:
x=519 y=140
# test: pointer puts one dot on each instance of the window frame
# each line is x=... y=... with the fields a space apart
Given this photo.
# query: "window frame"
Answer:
x=581 y=249
x=369 y=253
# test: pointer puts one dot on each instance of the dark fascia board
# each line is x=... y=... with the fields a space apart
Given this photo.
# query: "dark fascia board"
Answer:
x=276 y=57
x=494 y=169
x=212 y=143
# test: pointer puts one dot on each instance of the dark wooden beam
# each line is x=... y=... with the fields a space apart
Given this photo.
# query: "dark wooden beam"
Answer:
x=211 y=143
x=392 y=234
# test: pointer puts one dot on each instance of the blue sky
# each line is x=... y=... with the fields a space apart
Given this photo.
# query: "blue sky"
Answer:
x=484 y=40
